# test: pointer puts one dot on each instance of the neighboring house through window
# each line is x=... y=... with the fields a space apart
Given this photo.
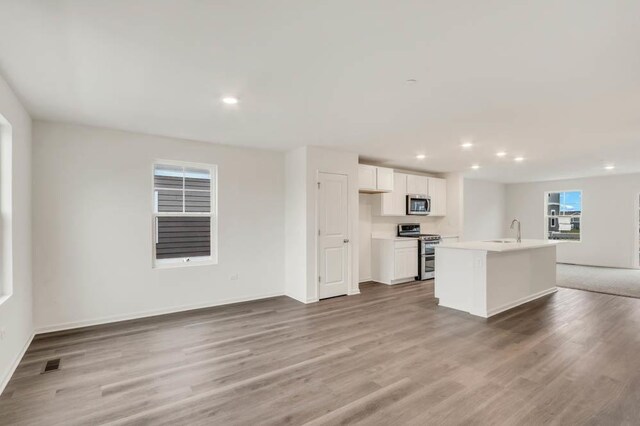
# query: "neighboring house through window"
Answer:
x=184 y=213
x=563 y=214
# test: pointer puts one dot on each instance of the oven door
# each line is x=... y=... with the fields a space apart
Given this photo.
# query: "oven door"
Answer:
x=427 y=260
x=427 y=267
x=418 y=205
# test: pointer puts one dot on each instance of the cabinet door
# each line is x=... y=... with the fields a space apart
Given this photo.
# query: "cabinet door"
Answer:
x=417 y=185
x=366 y=177
x=412 y=262
x=438 y=194
x=398 y=264
x=405 y=263
x=399 y=195
x=442 y=197
x=384 y=181
x=394 y=203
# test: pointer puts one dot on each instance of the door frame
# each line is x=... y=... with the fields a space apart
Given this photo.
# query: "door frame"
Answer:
x=316 y=241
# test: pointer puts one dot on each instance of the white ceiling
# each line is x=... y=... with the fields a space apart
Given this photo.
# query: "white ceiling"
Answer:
x=555 y=81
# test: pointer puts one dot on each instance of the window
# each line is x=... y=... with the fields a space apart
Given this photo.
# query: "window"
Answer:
x=563 y=213
x=184 y=214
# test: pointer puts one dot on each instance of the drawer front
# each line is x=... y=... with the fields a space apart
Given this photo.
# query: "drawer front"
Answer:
x=406 y=244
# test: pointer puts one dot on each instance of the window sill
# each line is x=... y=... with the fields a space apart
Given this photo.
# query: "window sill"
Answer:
x=171 y=265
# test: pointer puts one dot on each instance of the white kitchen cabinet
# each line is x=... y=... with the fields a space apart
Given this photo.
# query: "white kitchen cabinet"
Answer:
x=405 y=263
x=393 y=203
x=384 y=179
x=366 y=177
x=437 y=190
x=417 y=185
x=374 y=179
x=394 y=260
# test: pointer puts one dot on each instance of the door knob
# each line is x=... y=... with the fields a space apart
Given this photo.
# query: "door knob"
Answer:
x=345 y=240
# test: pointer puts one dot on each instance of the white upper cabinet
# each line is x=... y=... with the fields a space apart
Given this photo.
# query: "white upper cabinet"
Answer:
x=384 y=179
x=366 y=177
x=393 y=203
x=374 y=179
x=438 y=193
x=417 y=185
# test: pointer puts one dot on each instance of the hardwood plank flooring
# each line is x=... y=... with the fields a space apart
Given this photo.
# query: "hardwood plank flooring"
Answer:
x=387 y=356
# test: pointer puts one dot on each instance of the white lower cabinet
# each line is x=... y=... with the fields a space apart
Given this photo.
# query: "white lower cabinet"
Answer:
x=405 y=263
x=394 y=261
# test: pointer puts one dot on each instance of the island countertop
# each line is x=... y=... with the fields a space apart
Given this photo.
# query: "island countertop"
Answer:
x=494 y=246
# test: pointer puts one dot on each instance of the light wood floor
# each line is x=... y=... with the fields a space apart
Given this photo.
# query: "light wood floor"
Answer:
x=387 y=356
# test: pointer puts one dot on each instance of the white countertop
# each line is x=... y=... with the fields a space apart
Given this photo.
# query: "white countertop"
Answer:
x=499 y=247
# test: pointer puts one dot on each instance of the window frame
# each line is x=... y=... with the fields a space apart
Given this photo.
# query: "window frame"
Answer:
x=547 y=216
x=212 y=259
x=6 y=210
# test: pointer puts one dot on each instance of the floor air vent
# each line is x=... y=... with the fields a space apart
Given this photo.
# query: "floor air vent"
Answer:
x=52 y=365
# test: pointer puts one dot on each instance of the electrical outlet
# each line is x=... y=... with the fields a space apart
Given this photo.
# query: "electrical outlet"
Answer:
x=233 y=277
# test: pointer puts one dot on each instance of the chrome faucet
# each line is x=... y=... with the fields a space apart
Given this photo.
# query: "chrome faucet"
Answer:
x=513 y=222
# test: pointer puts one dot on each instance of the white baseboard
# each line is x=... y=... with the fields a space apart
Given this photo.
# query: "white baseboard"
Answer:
x=518 y=302
x=16 y=362
x=151 y=313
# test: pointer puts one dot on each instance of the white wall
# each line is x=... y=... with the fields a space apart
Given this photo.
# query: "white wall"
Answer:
x=365 y=229
x=16 y=312
x=484 y=212
x=453 y=221
x=330 y=161
x=303 y=166
x=609 y=222
x=93 y=227
x=296 y=224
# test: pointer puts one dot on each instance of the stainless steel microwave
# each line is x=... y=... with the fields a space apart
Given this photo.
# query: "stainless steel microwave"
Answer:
x=418 y=204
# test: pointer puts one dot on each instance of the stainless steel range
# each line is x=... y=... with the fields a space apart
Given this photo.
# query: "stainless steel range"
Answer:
x=426 y=249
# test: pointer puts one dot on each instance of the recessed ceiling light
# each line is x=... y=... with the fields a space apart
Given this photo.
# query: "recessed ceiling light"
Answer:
x=467 y=145
x=518 y=159
x=475 y=166
x=501 y=153
x=412 y=81
x=230 y=100
x=609 y=167
x=421 y=156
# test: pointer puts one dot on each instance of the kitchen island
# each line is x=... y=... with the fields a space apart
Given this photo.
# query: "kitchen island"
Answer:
x=485 y=278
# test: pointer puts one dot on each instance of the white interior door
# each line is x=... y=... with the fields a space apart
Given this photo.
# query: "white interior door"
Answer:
x=333 y=235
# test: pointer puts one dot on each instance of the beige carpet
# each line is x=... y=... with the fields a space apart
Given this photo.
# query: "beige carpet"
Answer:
x=623 y=282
